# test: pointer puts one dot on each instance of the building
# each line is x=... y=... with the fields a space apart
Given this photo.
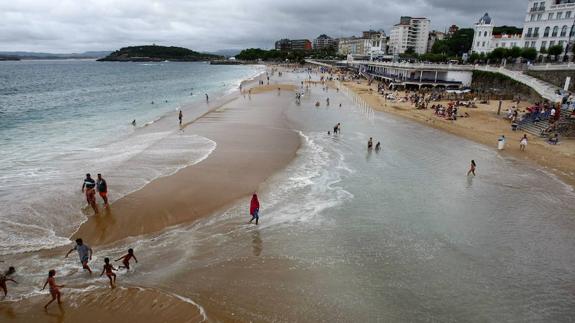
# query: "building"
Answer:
x=372 y=44
x=293 y=44
x=324 y=42
x=482 y=38
x=411 y=34
x=433 y=37
x=452 y=30
x=507 y=41
x=548 y=23
x=301 y=44
x=283 y=44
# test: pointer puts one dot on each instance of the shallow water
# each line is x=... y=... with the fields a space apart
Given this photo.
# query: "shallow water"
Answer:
x=351 y=235
x=62 y=119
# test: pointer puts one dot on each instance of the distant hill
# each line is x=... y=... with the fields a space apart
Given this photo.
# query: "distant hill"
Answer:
x=227 y=52
x=154 y=53
x=37 y=55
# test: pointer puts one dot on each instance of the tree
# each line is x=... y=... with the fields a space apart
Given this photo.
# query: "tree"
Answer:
x=509 y=30
x=474 y=57
x=457 y=44
x=515 y=52
x=529 y=53
x=498 y=54
x=555 y=50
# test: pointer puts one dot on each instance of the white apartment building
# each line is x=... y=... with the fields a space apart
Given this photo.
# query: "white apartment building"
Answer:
x=548 y=23
x=483 y=37
x=410 y=33
x=373 y=44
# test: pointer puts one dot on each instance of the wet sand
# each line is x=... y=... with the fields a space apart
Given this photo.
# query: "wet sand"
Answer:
x=122 y=304
x=253 y=142
x=483 y=126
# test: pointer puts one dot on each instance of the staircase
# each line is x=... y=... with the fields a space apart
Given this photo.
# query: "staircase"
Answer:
x=537 y=128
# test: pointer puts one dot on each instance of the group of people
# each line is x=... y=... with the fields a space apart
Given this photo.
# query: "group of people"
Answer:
x=85 y=254
x=370 y=144
x=90 y=186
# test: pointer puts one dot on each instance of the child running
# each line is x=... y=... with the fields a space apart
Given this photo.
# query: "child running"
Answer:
x=109 y=270
x=54 y=289
x=4 y=278
x=126 y=259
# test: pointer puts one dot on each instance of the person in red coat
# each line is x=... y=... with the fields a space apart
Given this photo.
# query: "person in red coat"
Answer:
x=254 y=208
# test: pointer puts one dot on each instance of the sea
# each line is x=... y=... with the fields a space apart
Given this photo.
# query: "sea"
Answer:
x=62 y=119
x=346 y=234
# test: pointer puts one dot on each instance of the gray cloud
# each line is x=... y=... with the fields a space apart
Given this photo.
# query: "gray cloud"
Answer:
x=80 y=25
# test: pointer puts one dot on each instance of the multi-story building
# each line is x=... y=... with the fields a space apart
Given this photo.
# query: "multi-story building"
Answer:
x=548 y=23
x=324 y=42
x=410 y=34
x=372 y=43
x=433 y=37
x=485 y=41
x=293 y=44
x=482 y=38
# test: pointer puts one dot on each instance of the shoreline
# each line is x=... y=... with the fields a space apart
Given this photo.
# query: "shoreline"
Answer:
x=484 y=127
x=196 y=191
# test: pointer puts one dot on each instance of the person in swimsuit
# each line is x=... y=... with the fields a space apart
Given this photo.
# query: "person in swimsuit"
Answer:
x=85 y=253
x=88 y=187
x=254 y=208
x=472 y=168
x=109 y=270
x=523 y=143
x=370 y=143
x=54 y=289
x=4 y=278
x=126 y=259
x=102 y=188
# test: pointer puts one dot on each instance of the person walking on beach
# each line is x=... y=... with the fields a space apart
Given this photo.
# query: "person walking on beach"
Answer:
x=85 y=253
x=102 y=188
x=126 y=259
x=4 y=278
x=109 y=270
x=207 y=98
x=523 y=143
x=88 y=187
x=255 y=208
x=180 y=117
x=54 y=289
x=472 y=168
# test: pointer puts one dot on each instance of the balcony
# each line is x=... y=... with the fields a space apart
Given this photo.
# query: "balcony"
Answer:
x=537 y=9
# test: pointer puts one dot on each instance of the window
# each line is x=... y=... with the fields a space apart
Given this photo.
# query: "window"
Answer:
x=503 y=45
x=568 y=15
x=572 y=31
x=564 y=31
x=560 y=43
x=551 y=43
x=555 y=30
x=526 y=44
x=532 y=18
x=536 y=32
x=543 y=44
x=539 y=16
x=529 y=31
x=550 y=16
x=497 y=45
x=483 y=44
x=533 y=44
x=559 y=15
x=485 y=34
x=477 y=44
x=546 y=33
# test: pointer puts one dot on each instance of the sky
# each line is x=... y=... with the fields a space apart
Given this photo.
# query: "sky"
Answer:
x=66 y=26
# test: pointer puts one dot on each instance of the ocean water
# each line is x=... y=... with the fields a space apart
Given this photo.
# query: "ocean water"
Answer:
x=62 y=119
x=350 y=235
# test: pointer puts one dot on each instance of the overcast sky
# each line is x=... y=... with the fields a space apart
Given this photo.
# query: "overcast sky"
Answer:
x=207 y=25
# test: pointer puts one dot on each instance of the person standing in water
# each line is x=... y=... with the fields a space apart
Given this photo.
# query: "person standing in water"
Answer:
x=180 y=117
x=4 y=278
x=255 y=208
x=370 y=143
x=523 y=143
x=472 y=168
x=207 y=98
x=88 y=187
x=85 y=253
x=54 y=289
x=102 y=188
x=109 y=270
x=378 y=146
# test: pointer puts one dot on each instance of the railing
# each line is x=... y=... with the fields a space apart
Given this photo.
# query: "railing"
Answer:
x=552 y=67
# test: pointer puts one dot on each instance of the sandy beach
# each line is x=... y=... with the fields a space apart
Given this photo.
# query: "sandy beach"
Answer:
x=483 y=126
